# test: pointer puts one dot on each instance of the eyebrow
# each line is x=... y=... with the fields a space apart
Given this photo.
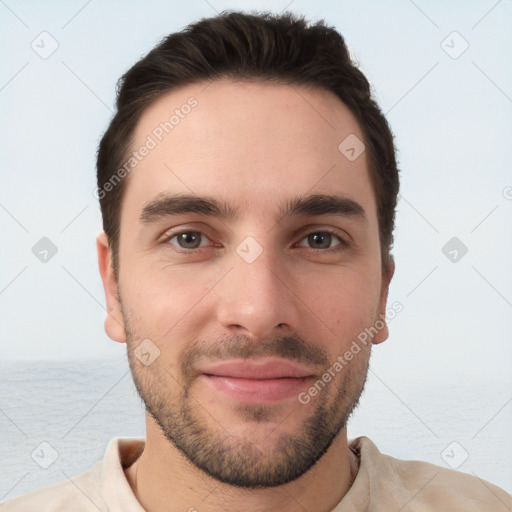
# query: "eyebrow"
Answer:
x=165 y=205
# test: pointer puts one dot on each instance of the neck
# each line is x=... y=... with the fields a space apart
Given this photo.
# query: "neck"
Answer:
x=163 y=480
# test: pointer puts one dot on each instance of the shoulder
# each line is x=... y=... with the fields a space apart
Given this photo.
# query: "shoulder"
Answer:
x=78 y=493
x=103 y=487
x=424 y=486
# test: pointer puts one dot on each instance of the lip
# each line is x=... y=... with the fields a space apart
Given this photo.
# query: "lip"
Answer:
x=257 y=369
x=257 y=381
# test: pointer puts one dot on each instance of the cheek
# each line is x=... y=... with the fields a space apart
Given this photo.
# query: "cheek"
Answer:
x=168 y=306
x=346 y=301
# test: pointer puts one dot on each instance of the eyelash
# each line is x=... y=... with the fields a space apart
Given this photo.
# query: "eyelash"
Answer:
x=343 y=244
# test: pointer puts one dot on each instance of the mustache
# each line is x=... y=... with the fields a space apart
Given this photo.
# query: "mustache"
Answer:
x=294 y=348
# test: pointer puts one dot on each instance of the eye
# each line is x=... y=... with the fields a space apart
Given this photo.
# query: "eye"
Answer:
x=316 y=240
x=188 y=239
x=323 y=240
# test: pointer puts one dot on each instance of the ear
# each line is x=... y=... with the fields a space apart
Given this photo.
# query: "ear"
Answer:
x=387 y=275
x=114 y=322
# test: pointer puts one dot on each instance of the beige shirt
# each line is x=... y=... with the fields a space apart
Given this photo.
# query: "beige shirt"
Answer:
x=382 y=484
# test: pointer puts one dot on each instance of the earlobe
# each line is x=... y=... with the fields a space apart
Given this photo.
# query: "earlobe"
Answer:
x=114 y=322
x=387 y=275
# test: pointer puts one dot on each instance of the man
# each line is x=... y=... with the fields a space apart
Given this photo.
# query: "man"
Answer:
x=248 y=186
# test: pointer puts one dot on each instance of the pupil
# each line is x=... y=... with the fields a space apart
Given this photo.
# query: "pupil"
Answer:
x=318 y=238
x=189 y=238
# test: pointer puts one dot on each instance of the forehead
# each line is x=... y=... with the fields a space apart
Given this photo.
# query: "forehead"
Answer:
x=249 y=141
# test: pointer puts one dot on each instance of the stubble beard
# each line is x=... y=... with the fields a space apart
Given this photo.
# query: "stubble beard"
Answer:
x=227 y=457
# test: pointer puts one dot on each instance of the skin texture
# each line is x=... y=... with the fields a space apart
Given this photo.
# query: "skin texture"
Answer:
x=254 y=146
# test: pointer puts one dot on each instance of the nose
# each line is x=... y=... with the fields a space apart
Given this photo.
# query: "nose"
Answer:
x=258 y=299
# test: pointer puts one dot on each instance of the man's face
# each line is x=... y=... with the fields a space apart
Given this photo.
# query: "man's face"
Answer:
x=247 y=310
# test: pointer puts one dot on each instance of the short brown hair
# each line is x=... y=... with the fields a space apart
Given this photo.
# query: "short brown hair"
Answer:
x=283 y=49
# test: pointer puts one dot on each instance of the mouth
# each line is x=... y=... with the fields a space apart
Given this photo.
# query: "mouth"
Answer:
x=257 y=381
